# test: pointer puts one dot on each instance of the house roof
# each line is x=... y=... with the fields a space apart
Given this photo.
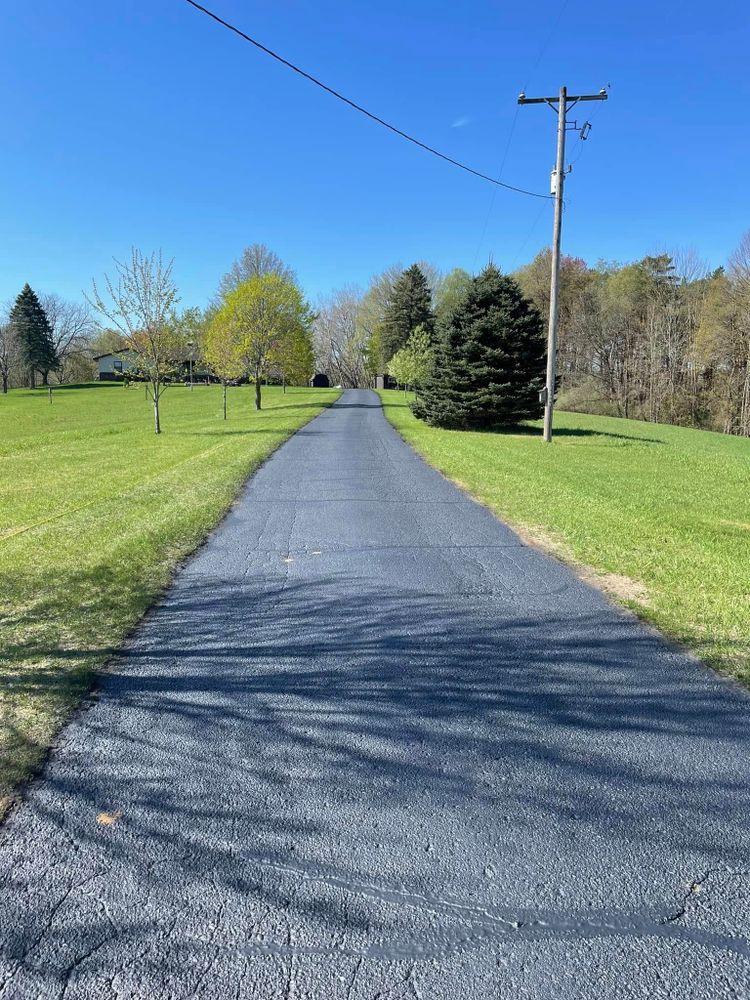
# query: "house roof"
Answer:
x=109 y=354
x=179 y=357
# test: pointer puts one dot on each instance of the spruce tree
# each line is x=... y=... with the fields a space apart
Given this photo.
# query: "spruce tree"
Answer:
x=489 y=359
x=34 y=335
x=410 y=307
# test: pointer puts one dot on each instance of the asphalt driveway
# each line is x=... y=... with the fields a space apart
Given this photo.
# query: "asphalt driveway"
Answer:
x=371 y=745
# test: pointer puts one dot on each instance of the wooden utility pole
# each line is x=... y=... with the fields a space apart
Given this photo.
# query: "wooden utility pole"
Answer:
x=564 y=103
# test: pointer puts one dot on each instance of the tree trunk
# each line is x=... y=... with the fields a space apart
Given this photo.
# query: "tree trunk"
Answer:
x=225 y=400
x=257 y=392
x=745 y=403
x=157 y=422
x=5 y=383
x=45 y=378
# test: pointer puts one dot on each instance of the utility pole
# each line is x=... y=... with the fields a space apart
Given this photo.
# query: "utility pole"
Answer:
x=564 y=104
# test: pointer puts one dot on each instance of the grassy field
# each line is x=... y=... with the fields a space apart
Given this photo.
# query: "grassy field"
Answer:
x=95 y=512
x=657 y=515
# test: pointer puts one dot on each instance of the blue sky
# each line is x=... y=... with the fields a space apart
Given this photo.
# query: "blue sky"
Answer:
x=145 y=123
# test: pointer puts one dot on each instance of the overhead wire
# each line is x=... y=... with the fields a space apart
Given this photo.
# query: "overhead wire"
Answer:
x=494 y=191
x=526 y=239
x=362 y=110
x=576 y=158
x=545 y=46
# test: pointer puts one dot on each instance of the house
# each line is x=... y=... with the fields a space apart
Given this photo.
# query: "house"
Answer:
x=113 y=366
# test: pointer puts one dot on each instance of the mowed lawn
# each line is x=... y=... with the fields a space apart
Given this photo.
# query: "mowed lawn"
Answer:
x=660 y=514
x=95 y=512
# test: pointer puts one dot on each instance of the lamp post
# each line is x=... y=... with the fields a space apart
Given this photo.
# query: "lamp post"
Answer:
x=191 y=345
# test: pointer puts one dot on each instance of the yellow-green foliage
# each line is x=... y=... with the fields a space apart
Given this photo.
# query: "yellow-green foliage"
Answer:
x=95 y=512
x=261 y=322
x=661 y=513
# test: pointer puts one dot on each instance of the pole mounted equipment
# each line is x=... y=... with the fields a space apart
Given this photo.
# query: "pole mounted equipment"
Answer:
x=561 y=105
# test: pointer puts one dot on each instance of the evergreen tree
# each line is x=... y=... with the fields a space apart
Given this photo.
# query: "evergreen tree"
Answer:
x=34 y=335
x=489 y=359
x=410 y=306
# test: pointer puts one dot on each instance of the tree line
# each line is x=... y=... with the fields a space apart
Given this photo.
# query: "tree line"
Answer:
x=472 y=347
x=661 y=339
x=258 y=327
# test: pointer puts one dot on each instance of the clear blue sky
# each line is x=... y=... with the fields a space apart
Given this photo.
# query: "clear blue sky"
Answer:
x=144 y=123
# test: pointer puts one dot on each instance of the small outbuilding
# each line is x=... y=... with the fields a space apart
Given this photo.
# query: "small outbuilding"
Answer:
x=320 y=381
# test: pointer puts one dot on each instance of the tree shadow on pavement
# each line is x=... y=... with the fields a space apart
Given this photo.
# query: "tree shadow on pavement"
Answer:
x=280 y=748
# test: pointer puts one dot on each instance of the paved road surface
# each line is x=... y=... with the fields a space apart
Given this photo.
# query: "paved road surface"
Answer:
x=372 y=746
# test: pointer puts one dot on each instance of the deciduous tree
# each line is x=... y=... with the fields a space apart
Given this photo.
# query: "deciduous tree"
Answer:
x=9 y=353
x=140 y=302
x=221 y=353
x=190 y=330
x=107 y=341
x=295 y=357
x=370 y=316
x=341 y=340
x=258 y=316
x=450 y=290
x=411 y=365
x=72 y=329
x=254 y=262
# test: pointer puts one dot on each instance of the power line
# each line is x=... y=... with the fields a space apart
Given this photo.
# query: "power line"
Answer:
x=545 y=46
x=528 y=236
x=494 y=190
x=358 y=107
x=543 y=49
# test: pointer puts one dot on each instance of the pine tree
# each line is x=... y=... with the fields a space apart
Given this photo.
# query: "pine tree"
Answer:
x=489 y=359
x=410 y=307
x=34 y=334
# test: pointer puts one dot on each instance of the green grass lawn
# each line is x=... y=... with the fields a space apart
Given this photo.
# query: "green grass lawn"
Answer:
x=95 y=512
x=658 y=515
